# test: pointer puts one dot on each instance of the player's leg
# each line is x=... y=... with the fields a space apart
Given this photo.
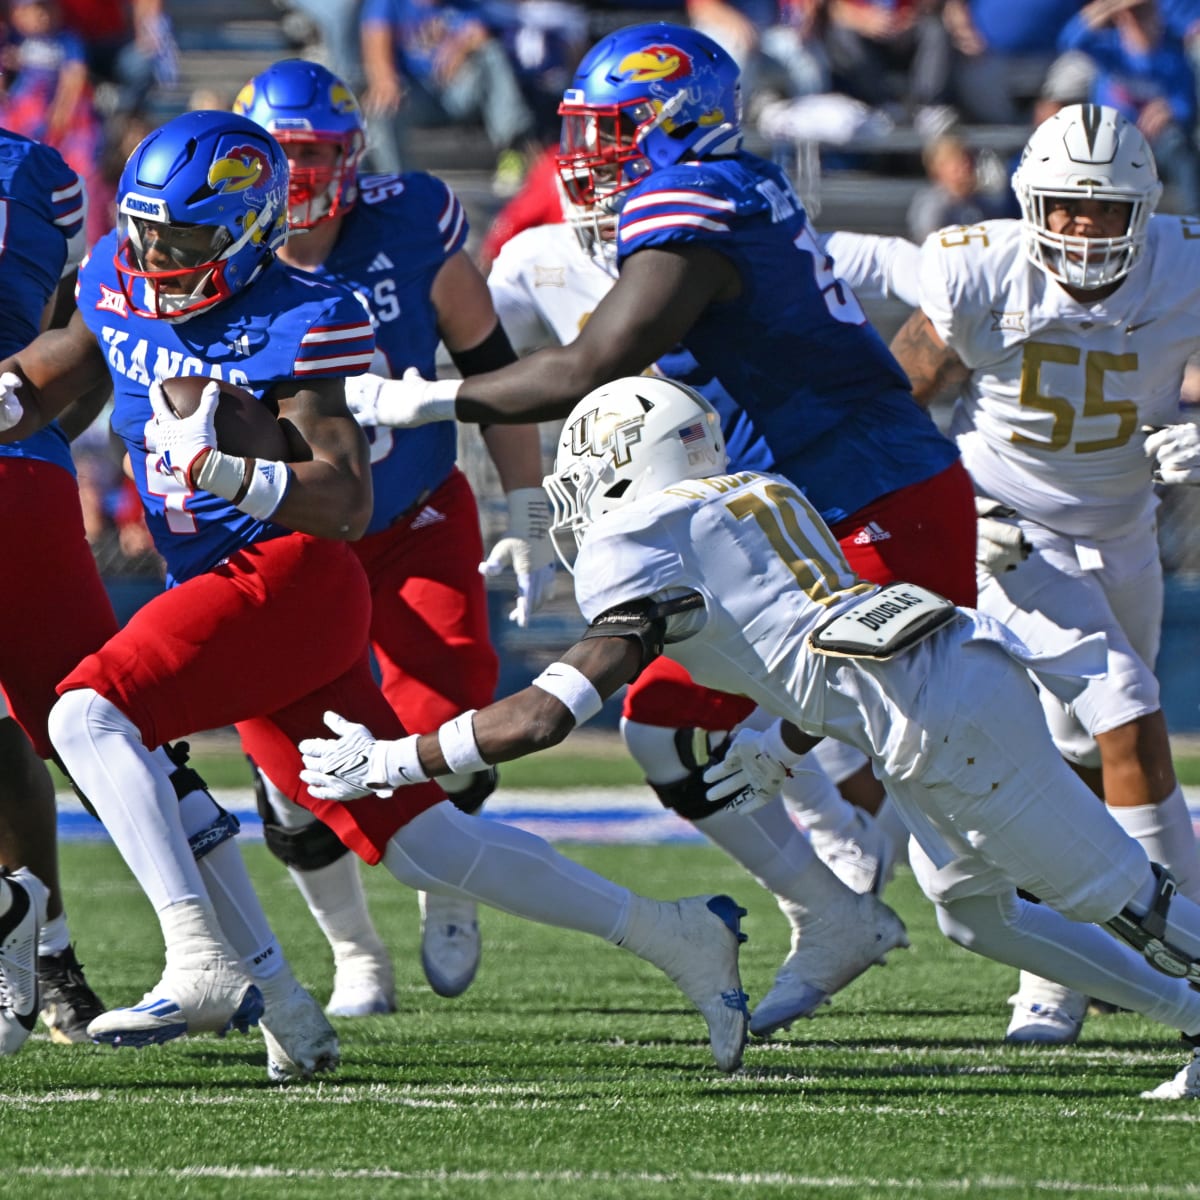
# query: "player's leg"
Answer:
x=1115 y=730
x=327 y=876
x=429 y=633
x=50 y=628
x=836 y=935
x=694 y=941
x=300 y=1041
x=168 y=671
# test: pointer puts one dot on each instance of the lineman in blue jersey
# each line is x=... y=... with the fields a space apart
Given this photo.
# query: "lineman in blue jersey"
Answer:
x=715 y=253
x=398 y=242
x=48 y=627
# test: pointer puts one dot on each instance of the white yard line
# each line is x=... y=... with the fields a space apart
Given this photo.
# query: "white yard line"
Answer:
x=859 y=1183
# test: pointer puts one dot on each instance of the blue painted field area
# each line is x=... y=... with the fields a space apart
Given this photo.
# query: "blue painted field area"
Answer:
x=596 y=815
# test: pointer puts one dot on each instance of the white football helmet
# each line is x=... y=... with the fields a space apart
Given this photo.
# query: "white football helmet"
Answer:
x=627 y=439
x=1086 y=150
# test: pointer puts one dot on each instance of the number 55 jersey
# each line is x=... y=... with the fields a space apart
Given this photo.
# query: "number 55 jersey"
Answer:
x=1051 y=419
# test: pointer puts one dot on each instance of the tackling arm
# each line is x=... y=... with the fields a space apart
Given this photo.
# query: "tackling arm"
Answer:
x=936 y=371
x=564 y=695
x=658 y=297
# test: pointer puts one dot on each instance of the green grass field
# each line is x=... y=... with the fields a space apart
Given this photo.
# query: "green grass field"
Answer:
x=571 y=1069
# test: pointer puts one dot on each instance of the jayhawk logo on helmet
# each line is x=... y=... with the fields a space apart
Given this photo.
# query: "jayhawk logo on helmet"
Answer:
x=341 y=99
x=238 y=169
x=653 y=63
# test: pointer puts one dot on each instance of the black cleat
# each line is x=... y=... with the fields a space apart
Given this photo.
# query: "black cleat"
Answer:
x=68 y=1003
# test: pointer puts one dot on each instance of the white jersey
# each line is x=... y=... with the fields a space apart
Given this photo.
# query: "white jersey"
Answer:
x=1051 y=419
x=953 y=728
x=544 y=287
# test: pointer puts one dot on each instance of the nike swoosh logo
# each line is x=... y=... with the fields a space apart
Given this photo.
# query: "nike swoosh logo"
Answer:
x=361 y=761
x=1139 y=325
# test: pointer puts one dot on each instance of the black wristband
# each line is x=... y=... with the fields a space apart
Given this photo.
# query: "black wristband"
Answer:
x=494 y=352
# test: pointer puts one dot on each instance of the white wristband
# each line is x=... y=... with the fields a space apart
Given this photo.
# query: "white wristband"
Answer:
x=573 y=688
x=256 y=486
x=457 y=740
x=268 y=486
x=401 y=764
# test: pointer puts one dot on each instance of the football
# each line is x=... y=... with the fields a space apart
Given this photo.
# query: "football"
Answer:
x=245 y=425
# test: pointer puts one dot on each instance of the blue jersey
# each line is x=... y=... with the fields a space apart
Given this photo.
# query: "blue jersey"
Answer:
x=285 y=325
x=795 y=349
x=42 y=208
x=391 y=245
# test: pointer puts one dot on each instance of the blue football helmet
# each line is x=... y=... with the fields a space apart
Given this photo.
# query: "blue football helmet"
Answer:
x=301 y=102
x=201 y=209
x=647 y=96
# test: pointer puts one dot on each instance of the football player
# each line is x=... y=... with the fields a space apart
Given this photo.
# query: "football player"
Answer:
x=1064 y=336
x=265 y=620
x=736 y=577
x=398 y=242
x=43 y=206
x=715 y=253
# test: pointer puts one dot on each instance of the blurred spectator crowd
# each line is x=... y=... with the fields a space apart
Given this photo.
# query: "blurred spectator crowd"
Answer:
x=829 y=79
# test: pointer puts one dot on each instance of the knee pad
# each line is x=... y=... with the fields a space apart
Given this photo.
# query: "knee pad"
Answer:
x=307 y=849
x=476 y=788
x=1147 y=935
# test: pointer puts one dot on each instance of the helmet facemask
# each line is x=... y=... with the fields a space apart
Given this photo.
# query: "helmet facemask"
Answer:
x=320 y=193
x=200 y=253
x=1087 y=263
x=1086 y=152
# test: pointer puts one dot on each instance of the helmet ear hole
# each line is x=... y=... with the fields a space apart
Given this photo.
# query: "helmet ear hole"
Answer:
x=618 y=489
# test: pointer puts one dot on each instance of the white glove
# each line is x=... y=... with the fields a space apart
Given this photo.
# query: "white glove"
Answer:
x=401 y=403
x=180 y=441
x=1000 y=545
x=753 y=769
x=345 y=768
x=528 y=548
x=1175 y=451
x=11 y=409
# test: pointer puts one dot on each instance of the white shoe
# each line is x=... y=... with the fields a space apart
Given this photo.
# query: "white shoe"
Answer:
x=19 y=996
x=450 y=944
x=863 y=859
x=364 y=983
x=1045 y=1013
x=212 y=997
x=300 y=1041
x=1184 y=1086
x=695 y=942
x=825 y=959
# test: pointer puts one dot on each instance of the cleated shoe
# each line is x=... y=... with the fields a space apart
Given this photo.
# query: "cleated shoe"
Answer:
x=862 y=859
x=68 y=1004
x=450 y=943
x=1045 y=1013
x=825 y=960
x=300 y=1041
x=213 y=998
x=695 y=942
x=363 y=983
x=18 y=956
x=1184 y=1086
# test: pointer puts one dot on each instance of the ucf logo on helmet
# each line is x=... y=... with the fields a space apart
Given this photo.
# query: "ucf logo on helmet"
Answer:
x=605 y=435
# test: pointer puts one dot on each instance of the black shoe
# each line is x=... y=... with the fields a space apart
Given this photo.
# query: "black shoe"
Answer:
x=68 y=1004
